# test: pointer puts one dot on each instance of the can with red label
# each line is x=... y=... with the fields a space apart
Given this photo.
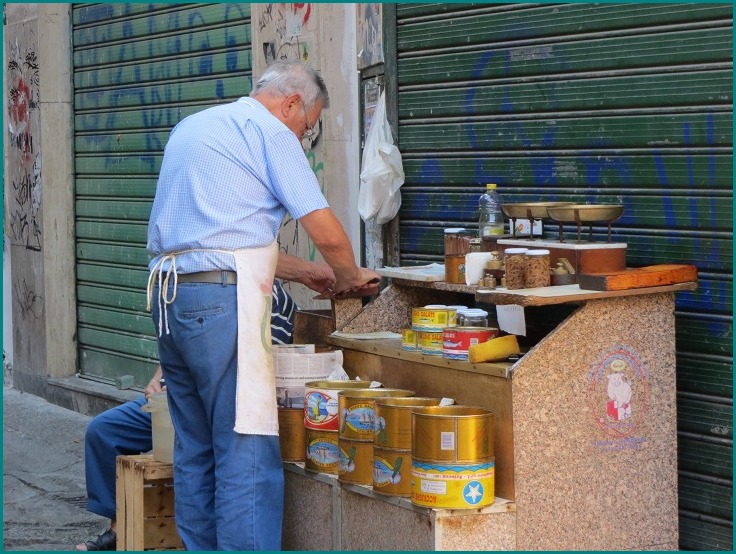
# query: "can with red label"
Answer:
x=321 y=405
x=456 y=341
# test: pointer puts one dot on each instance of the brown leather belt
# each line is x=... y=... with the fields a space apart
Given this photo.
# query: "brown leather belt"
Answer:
x=218 y=277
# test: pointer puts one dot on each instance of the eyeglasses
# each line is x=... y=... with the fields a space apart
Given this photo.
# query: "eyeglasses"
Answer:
x=309 y=132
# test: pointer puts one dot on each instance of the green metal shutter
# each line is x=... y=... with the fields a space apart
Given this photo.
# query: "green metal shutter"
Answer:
x=138 y=70
x=597 y=103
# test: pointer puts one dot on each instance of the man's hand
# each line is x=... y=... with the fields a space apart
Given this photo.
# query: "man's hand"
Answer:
x=319 y=277
x=366 y=283
x=154 y=385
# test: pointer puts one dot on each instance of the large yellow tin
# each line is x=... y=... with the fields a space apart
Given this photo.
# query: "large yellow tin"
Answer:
x=393 y=420
x=392 y=471
x=292 y=434
x=357 y=411
x=323 y=453
x=320 y=402
x=356 y=462
x=452 y=434
x=453 y=486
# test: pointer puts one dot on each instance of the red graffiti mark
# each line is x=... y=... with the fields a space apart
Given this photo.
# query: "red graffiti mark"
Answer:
x=307 y=13
x=19 y=100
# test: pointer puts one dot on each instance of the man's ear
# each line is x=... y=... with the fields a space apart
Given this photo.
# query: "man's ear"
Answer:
x=290 y=103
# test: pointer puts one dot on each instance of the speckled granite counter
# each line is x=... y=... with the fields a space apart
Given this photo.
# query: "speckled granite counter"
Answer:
x=585 y=424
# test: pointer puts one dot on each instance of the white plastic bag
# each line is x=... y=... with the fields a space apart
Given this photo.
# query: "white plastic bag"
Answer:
x=382 y=172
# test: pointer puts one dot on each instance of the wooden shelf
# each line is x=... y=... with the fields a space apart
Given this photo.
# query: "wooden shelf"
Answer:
x=391 y=348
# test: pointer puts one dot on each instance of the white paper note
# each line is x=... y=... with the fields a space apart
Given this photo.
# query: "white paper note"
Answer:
x=511 y=319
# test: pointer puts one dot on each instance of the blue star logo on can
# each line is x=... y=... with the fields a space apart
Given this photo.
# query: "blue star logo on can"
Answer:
x=473 y=492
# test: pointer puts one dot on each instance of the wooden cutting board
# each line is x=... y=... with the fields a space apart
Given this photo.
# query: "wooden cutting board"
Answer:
x=649 y=276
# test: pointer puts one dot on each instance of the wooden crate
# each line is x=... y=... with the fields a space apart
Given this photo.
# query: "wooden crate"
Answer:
x=145 y=504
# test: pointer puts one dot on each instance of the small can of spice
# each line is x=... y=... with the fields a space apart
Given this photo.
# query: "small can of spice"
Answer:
x=536 y=268
x=514 y=260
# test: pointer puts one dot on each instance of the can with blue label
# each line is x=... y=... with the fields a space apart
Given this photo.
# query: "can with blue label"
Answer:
x=357 y=411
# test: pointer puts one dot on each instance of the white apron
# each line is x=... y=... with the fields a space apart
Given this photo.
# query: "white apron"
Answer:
x=255 y=392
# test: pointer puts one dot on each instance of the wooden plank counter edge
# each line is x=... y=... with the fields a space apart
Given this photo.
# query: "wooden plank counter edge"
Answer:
x=542 y=296
x=391 y=348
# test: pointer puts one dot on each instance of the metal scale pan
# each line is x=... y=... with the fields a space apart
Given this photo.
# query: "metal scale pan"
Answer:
x=532 y=211
x=586 y=213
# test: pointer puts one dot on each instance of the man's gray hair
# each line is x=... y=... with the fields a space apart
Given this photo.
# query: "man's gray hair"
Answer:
x=286 y=78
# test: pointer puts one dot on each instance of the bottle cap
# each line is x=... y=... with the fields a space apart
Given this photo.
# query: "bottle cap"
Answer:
x=454 y=230
x=490 y=186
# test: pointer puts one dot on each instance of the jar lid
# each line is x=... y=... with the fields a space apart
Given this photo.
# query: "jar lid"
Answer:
x=514 y=251
x=540 y=252
x=475 y=312
x=458 y=308
x=454 y=230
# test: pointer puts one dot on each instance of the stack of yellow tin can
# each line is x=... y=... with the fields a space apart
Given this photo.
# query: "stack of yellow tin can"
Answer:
x=392 y=444
x=321 y=422
x=453 y=461
x=355 y=436
x=427 y=324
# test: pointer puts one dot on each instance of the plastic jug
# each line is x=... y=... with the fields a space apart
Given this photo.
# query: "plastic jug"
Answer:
x=163 y=429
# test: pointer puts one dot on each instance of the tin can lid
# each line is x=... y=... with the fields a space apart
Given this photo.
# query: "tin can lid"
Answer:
x=540 y=252
x=436 y=306
x=514 y=251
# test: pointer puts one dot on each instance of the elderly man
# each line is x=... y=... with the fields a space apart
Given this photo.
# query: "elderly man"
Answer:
x=228 y=177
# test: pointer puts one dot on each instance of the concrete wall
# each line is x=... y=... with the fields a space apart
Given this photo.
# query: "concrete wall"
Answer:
x=323 y=36
x=38 y=192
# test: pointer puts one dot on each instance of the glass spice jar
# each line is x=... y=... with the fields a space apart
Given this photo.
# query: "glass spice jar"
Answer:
x=514 y=260
x=536 y=268
x=475 y=317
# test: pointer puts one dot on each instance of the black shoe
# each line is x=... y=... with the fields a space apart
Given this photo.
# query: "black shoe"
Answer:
x=106 y=541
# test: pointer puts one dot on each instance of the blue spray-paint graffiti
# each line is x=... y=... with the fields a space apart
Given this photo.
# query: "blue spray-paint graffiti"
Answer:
x=154 y=86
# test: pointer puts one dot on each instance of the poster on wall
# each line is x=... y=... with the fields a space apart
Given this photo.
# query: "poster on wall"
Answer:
x=370 y=35
x=288 y=32
x=371 y=92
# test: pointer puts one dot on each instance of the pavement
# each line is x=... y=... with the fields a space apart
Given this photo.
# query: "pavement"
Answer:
x=44 y=494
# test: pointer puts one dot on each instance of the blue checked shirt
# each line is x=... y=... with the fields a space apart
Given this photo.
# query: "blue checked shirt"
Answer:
x=229 y=175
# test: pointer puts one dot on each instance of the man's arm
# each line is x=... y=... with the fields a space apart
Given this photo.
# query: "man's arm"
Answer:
x=331 y=240
x=318 y=276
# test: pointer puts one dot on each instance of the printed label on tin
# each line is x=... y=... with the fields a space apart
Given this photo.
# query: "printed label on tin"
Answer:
x=453 y=486
x=322 y=453
x=379 y=430
x=346 y=464
x=320 y=408
x=384 y=473
x=434 y=487
x=359 y=418
x=447 y=441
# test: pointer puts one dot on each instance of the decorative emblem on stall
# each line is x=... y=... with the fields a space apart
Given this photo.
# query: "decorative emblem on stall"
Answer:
x=618 y=393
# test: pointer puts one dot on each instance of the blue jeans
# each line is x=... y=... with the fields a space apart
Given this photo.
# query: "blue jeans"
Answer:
x=229 y=487
x=124 y=429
